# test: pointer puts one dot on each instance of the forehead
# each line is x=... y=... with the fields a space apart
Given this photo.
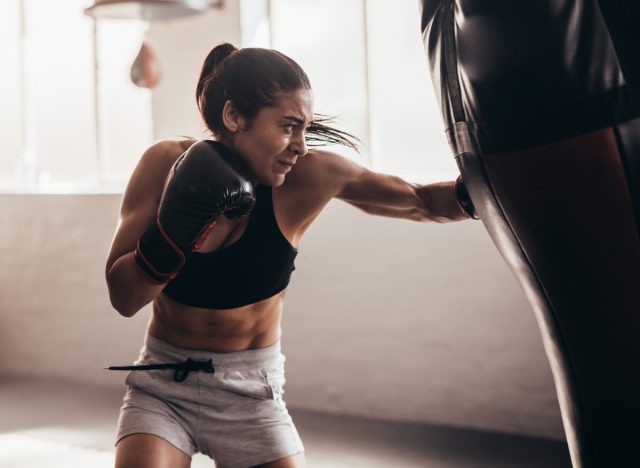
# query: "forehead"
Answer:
x=297 y=104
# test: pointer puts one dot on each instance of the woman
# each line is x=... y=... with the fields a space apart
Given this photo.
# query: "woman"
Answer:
x=217 y=292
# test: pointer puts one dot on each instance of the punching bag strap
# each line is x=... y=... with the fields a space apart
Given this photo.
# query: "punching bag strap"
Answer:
x=459 y=134
x=451 y=59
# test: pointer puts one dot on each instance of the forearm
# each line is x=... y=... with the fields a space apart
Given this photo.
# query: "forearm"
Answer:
x=129 y=288
x=391 y=196
x=439 y=202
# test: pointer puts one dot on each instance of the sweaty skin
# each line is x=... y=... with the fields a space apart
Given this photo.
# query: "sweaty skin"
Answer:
x=270 y=143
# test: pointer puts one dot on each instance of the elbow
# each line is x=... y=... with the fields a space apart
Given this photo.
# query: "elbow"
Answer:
x=123 y=306
x=121 y=300
x=126 y=312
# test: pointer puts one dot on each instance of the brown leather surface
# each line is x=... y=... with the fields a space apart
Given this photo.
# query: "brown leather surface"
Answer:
x=569 y=208
x=525 y=89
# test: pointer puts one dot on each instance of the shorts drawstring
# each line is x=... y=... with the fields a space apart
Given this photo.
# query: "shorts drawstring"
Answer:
x=182 y=368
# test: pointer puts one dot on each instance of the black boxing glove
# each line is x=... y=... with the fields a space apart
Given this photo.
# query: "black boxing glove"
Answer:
x=464 y=200
x=208 y=180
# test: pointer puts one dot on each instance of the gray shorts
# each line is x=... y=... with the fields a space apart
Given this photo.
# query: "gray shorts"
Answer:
x=235 y=415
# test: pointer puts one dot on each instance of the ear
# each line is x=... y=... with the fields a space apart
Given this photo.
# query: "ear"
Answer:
x=231 y=118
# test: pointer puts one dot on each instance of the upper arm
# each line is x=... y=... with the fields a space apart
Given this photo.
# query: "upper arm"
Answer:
x=381 y=194
x=141 y=197
x=372 y=191
x=329 y=175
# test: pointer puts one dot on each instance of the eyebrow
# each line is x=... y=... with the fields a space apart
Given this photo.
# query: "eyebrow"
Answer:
x=297 y=120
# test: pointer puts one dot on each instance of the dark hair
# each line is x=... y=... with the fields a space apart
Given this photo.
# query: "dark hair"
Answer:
x=252 y=78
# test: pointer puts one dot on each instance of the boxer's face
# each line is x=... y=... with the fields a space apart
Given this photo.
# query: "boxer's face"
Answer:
x=273 y=141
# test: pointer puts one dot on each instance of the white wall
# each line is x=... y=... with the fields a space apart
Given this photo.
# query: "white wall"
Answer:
x=419 y=322
x=384 y=318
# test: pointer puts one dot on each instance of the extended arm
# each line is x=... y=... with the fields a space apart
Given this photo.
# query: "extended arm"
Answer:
x=387 y=195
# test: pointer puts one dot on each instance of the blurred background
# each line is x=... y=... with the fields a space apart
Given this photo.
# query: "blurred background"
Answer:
x=391 y=326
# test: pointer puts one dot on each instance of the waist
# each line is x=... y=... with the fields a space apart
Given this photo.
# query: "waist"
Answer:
x=155 y=349
x=229 y=330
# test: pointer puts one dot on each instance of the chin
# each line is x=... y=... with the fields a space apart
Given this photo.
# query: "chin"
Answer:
x=278 y=181
x=272 y=180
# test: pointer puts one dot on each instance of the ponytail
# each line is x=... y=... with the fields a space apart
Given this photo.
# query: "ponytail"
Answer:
x=211 y=63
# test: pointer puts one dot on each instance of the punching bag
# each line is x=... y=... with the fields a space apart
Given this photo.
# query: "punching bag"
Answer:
x=541 y=108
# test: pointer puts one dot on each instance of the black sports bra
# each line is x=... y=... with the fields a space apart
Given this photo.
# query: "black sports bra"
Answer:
x=255 y=267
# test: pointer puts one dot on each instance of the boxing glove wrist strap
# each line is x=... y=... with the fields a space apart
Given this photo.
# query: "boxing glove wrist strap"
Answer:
x=157 y=255
x=464 y=200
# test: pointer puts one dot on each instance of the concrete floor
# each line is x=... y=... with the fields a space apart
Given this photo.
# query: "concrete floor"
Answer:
x=57 y=424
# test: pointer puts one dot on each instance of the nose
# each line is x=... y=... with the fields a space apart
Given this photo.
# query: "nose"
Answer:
x=299 y=145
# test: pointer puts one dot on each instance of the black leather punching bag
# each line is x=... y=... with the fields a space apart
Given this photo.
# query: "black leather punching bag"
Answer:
x=541 y=107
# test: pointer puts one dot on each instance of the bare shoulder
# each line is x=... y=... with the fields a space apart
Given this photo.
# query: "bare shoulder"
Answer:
x=322 y=169
x=148 y=178
x=316 y=178
x=323 y=159
x=165 y=152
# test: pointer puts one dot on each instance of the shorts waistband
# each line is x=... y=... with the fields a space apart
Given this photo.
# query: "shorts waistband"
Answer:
x=247 y=359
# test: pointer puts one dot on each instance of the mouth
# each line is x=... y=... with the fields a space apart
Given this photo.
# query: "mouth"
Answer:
x=285 y=163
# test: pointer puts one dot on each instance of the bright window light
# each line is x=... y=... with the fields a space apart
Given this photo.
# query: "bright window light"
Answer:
x=55 y=137
x=365 y=60
x=11 y=129
x=367 y=65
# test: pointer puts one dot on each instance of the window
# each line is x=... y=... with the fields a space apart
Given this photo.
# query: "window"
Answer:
x=367 y=64
x=67 y=126
x=11 y=117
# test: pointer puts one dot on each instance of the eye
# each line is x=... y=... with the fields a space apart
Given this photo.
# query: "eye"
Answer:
x=289 y=128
